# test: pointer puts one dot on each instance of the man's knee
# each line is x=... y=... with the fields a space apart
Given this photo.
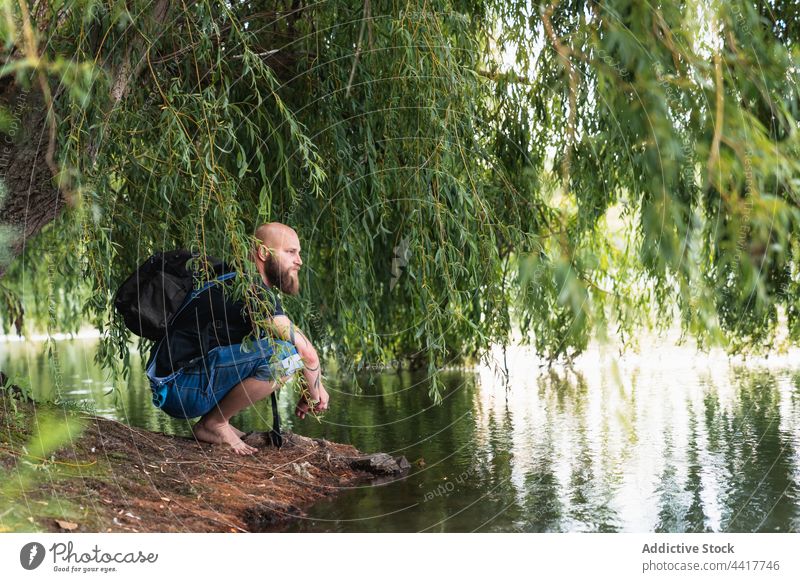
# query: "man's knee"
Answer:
x=257 y=389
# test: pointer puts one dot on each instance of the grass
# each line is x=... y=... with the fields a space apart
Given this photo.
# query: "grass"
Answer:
x=41 y=470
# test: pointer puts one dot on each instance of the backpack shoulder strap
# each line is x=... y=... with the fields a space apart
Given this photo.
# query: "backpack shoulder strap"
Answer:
x=210 y=284
x=196 y=292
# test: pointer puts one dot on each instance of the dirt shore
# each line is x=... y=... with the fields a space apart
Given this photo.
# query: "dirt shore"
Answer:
x=116 y=478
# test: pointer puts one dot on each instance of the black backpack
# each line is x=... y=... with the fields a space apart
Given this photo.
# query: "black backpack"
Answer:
x=164 y=284
x=154 y=293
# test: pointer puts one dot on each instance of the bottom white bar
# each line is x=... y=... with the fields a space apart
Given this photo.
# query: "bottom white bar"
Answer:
x=133 y=557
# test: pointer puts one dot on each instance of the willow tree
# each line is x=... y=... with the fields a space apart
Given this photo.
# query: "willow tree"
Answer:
x=455 y=169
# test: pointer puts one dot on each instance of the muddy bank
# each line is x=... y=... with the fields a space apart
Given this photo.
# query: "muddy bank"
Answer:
x=113 y=477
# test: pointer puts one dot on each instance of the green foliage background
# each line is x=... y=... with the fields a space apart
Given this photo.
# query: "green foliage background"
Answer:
x=565 y=168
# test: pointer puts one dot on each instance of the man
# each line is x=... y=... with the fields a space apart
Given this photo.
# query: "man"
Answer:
x=201 y=368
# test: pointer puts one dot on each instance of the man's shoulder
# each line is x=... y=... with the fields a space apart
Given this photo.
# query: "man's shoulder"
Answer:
x=278 y=309
x=272 y=296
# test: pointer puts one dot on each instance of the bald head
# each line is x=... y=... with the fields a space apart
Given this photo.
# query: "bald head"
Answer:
x=274 y=234
x=277 y=256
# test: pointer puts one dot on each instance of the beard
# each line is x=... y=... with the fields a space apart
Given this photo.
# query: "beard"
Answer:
x=287 y=280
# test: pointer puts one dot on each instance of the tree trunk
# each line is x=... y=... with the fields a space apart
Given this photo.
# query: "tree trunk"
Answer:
x=31 y=199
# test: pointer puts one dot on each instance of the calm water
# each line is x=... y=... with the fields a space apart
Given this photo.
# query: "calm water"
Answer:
x=662 y=441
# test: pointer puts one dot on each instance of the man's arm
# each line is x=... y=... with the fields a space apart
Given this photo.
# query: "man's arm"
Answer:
x=283 y=328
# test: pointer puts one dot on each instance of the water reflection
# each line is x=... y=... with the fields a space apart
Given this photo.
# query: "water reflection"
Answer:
x=666 y=441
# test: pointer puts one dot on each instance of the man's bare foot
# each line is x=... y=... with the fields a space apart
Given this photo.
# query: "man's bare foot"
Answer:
x=221 y=434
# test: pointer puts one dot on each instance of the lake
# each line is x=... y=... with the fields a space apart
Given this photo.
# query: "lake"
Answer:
x=665 y=440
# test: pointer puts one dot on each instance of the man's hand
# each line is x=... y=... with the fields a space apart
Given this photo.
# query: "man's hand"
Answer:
x=322 y=404
x=304 y=406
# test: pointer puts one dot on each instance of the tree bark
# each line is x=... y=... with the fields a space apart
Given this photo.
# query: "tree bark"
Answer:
x=32 y=199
